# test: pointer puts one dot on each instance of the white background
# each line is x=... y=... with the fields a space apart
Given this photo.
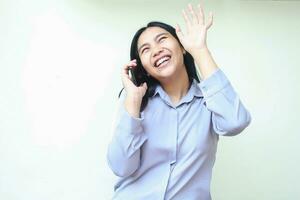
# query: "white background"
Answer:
x=60 y=67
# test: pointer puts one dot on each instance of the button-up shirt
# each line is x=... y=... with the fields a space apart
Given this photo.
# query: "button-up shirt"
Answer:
x=169 y=152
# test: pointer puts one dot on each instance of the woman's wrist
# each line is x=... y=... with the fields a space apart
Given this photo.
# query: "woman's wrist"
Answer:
x=133 y=105
x=198 y=51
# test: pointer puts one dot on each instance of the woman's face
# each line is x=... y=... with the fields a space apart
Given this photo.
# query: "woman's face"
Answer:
x=160 y=53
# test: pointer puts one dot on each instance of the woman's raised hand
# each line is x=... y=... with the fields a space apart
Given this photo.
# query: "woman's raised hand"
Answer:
x=195 y=37
x=135 y=93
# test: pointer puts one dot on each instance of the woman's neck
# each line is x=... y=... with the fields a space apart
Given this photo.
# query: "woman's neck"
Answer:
x=177 y=86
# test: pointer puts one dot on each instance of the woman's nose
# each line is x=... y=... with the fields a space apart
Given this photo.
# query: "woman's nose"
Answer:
x=157 y=50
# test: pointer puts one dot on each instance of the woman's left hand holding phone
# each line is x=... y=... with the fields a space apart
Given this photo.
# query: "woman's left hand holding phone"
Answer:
x=134 y=94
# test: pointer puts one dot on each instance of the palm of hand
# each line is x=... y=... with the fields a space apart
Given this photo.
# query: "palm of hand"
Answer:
x=195 y=37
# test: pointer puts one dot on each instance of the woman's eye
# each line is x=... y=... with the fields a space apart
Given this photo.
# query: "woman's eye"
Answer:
x=162 y=39
x=145 y=49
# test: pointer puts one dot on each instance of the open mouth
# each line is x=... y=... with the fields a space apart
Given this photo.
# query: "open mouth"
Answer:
x=162 y=61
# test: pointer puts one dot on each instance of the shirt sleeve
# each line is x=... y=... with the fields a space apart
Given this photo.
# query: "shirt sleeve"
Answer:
x=123 y=155
x=229 y=116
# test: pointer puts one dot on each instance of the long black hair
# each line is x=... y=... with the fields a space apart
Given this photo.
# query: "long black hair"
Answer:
x=140 y=73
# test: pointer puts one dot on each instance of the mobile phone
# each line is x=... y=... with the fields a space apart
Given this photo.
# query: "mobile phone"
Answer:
x=132 y=75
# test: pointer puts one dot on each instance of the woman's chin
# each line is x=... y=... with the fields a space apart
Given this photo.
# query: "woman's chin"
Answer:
x=166 y=73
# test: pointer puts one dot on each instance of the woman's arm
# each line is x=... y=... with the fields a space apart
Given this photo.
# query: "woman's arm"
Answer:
x=205 y=62
x=123 y=153
x=229 y=116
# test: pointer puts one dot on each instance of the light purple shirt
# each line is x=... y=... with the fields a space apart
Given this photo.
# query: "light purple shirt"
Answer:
x=169 y=153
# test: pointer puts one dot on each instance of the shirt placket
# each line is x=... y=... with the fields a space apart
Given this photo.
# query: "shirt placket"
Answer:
x=174 y=136
x=172 y=142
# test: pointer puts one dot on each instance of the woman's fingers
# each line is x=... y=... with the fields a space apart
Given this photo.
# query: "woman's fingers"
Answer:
x=186 y=19
x=143 y=88
x=201 y=16
x=197 y=17
x=132 y=63
x=125 y=71
x=194 y=17
x=210 y=20
x=179 y=32
x=130 y=87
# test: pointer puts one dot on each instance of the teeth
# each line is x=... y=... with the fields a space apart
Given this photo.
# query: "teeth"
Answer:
x=161 y=60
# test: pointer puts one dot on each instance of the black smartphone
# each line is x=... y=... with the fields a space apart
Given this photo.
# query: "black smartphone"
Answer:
x=132 y=75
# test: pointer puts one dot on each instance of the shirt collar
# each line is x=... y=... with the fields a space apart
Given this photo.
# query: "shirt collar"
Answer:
x=194 y=91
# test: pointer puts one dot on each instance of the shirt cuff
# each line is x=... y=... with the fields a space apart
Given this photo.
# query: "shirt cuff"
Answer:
x=214 y=83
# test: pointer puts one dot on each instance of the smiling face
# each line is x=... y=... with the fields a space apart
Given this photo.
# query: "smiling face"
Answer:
x=160 y=53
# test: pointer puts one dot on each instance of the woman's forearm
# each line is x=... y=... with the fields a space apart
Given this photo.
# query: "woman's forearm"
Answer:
x=205 y=62
x=132 y=106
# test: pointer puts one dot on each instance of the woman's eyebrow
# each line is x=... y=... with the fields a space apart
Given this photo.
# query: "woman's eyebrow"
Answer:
x=155 y=38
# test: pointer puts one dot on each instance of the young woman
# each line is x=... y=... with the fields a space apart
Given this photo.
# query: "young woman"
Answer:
x=168 y=125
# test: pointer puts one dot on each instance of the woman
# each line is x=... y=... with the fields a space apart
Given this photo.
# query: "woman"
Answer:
x=168 y=125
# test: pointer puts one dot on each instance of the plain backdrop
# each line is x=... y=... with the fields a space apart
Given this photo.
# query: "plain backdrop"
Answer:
x=60 y=67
